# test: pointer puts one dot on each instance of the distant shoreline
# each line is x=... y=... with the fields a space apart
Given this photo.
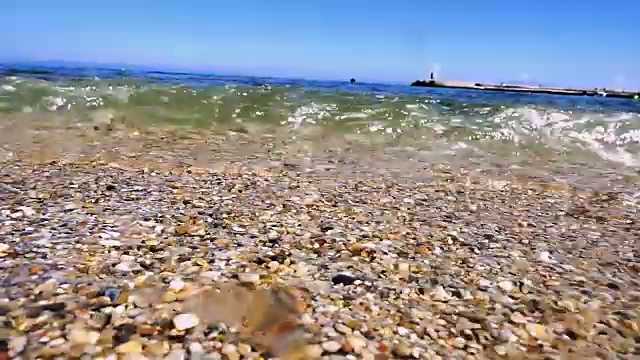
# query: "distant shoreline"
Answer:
x=526 y=89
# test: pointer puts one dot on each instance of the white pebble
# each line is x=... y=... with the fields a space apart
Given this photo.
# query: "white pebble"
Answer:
x=331 y=346
x=402 y=331
x=484 y=284
x=57 y=342
x=357 y=343
x=230 y=350
x=177 y=354
x=506 y=285
x=185 y=321
x=249 y=278
x=176 y=285
x=195 y=347
x=17 y=345
x=110 y=242
x=440 y=294
x=545 y=256
x=212 y=275
x=27 y=211
x=123 y=266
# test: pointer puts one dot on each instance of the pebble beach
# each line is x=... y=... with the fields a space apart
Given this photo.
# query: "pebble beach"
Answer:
x=126 y=243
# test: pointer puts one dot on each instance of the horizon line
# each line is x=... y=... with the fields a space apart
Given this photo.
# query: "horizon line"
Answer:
x=191 y=70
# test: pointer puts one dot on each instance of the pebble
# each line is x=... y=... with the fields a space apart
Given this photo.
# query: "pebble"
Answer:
x=538 y=331
x=17 y=344
x=244 y=349
x=176 y=285
x=518 y=318
x=132 y=346
x=176 y=354
x=185 y=321
x=195 y=348
x=506 y=286
x=110 y=242
x=440 y=294
x=484 y=284
x=4 y=248
x=343 y=279
x=248 y=277
x=402 y=331
x=314 y=351
x=545 y=256
x=231 y=351
x=500 y=350
x=82 y=336
x=459 y=342
x=357 y=343
x=343 y=329
x=468 y=291
x=331 y=346
x=401 y=349
x=211 y=275
x=56 y=342
x=123 y=267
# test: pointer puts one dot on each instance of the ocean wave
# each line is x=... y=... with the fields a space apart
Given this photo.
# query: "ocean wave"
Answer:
x=606 y=128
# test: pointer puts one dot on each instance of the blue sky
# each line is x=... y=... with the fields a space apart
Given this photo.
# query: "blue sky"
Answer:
x=559 y=42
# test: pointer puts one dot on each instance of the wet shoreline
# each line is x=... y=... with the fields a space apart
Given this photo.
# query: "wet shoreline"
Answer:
x=123 y=235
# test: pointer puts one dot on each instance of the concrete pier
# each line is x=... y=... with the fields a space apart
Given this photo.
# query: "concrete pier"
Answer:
x=526 y=89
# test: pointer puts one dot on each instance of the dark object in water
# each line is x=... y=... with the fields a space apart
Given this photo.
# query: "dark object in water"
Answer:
x=352 y=81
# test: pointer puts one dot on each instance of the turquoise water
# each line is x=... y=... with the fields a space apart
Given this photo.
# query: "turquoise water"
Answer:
x=595 y=129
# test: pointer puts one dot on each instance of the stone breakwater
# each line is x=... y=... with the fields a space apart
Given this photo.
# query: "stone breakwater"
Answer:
x=138 y=254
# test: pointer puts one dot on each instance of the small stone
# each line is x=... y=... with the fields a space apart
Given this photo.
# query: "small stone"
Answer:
x=123 y=267
x=537 y=331
x=518 y=318
x=56 y=342
x=244 y=349
x=506 y=286
x=403 y=268
x=459 y=342
x=17 y=345
x=313 y=351
x=27 y=211
x=402 y=331
x=195 y=348
x=357 y=343
x=185 y=321
x=231 y=351
x=176 y=285
x=401 y=349
x=158 y=348
x=169 y=297
x=132 y=346
x=545 y=256
x=84 y=337
x=343 y=279
x=331 y=346
x=343 y=329
x=248 y=277
x=440 y=294
x=500 y=350
x=176 y=354
x=319 y=286
x=110 y=242
x=484 y=284
x=212 y=275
